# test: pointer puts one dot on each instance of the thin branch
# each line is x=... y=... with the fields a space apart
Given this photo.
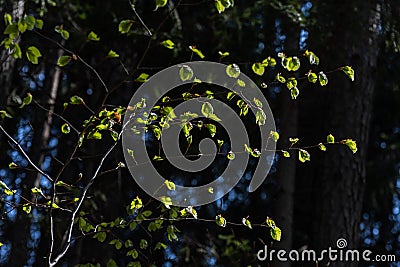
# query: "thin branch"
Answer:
x=25 y=155
x=140 y=19
x=81 y=199
x=77 y=56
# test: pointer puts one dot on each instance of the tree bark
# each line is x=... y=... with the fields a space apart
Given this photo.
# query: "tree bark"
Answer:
x=343 y=109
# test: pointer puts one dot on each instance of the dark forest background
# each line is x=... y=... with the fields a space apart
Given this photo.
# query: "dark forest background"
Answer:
x=335 y=195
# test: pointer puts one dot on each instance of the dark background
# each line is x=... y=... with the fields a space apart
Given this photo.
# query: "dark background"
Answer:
x=336 y=195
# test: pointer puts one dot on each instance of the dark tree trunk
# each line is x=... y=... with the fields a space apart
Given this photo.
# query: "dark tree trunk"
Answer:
x=347 y=34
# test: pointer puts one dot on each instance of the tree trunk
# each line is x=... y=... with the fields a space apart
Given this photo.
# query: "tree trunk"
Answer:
x=343 y=109
x=288 y=127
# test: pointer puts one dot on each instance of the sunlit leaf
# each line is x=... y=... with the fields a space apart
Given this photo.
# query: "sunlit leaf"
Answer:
x=233 y=70
x=63 y=60
x=65 y=128
x=186 y=73
x=124 y=26
x=351 y=144
x=220 y=221
x=92 y=36
x=168 y=44
x=196 y=51
x=330 y=139
x=32 y=53
x=304 y=155
x=349 y=72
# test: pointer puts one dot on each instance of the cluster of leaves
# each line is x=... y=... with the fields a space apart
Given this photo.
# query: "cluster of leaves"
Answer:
x=161 y=116
x=138 y=217
x=14 y=29
x=292 y=64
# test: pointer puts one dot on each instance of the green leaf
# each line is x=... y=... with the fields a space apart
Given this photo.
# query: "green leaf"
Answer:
x=132 y=226
x=220 y=7
x=161 y=3
x=220 y=221
x=276 y=233
x=124 y=26
x=260 y=117
x=322 y=147
x=330 y=139
x=63 y=60
x=157 y=131
x=27 y=100
x=312 y=77
x=12 y=30
x=100 y=236
x=312 y=58
x=247 y=223
x=114 y=135
x=257 y=102
x=65 y=128
x=27 y=208
x=93 y=36
x=37 y=191
x=196 y=51
x=207 y=109
x=349 y=72
x=304 y=155
x=166 y=201
x=292 y=63
x=170 y=185
x=112 y=54
x=143 y=244
x=3 y=185
x=17 y=53
x=248 y=149
x=258 y=68
x=323 y=79
x=270 y=223
x=7 y=19
x=286 y=154
x=211 y=128
x=280 y=78
x=294 y=92
x=160 y=245
x=233 y=71
x=64 y=33
x=142 y=78
x=291 y=83
x=186 y=73
x=39 y=24
x=32 y=53
x=293 y=140
x=230 y=95
x=274 y=135
x=9 y=192
x=133 y=253
x=136 y=203
x=95 y=135
x=12 y=166
x=168 y=44
x=168 y=111
x=22 y=26
x=76 y=100
x=351 y=144
x=240 y=83
x=4 y=114
x=223 y=54
x=111 y=263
